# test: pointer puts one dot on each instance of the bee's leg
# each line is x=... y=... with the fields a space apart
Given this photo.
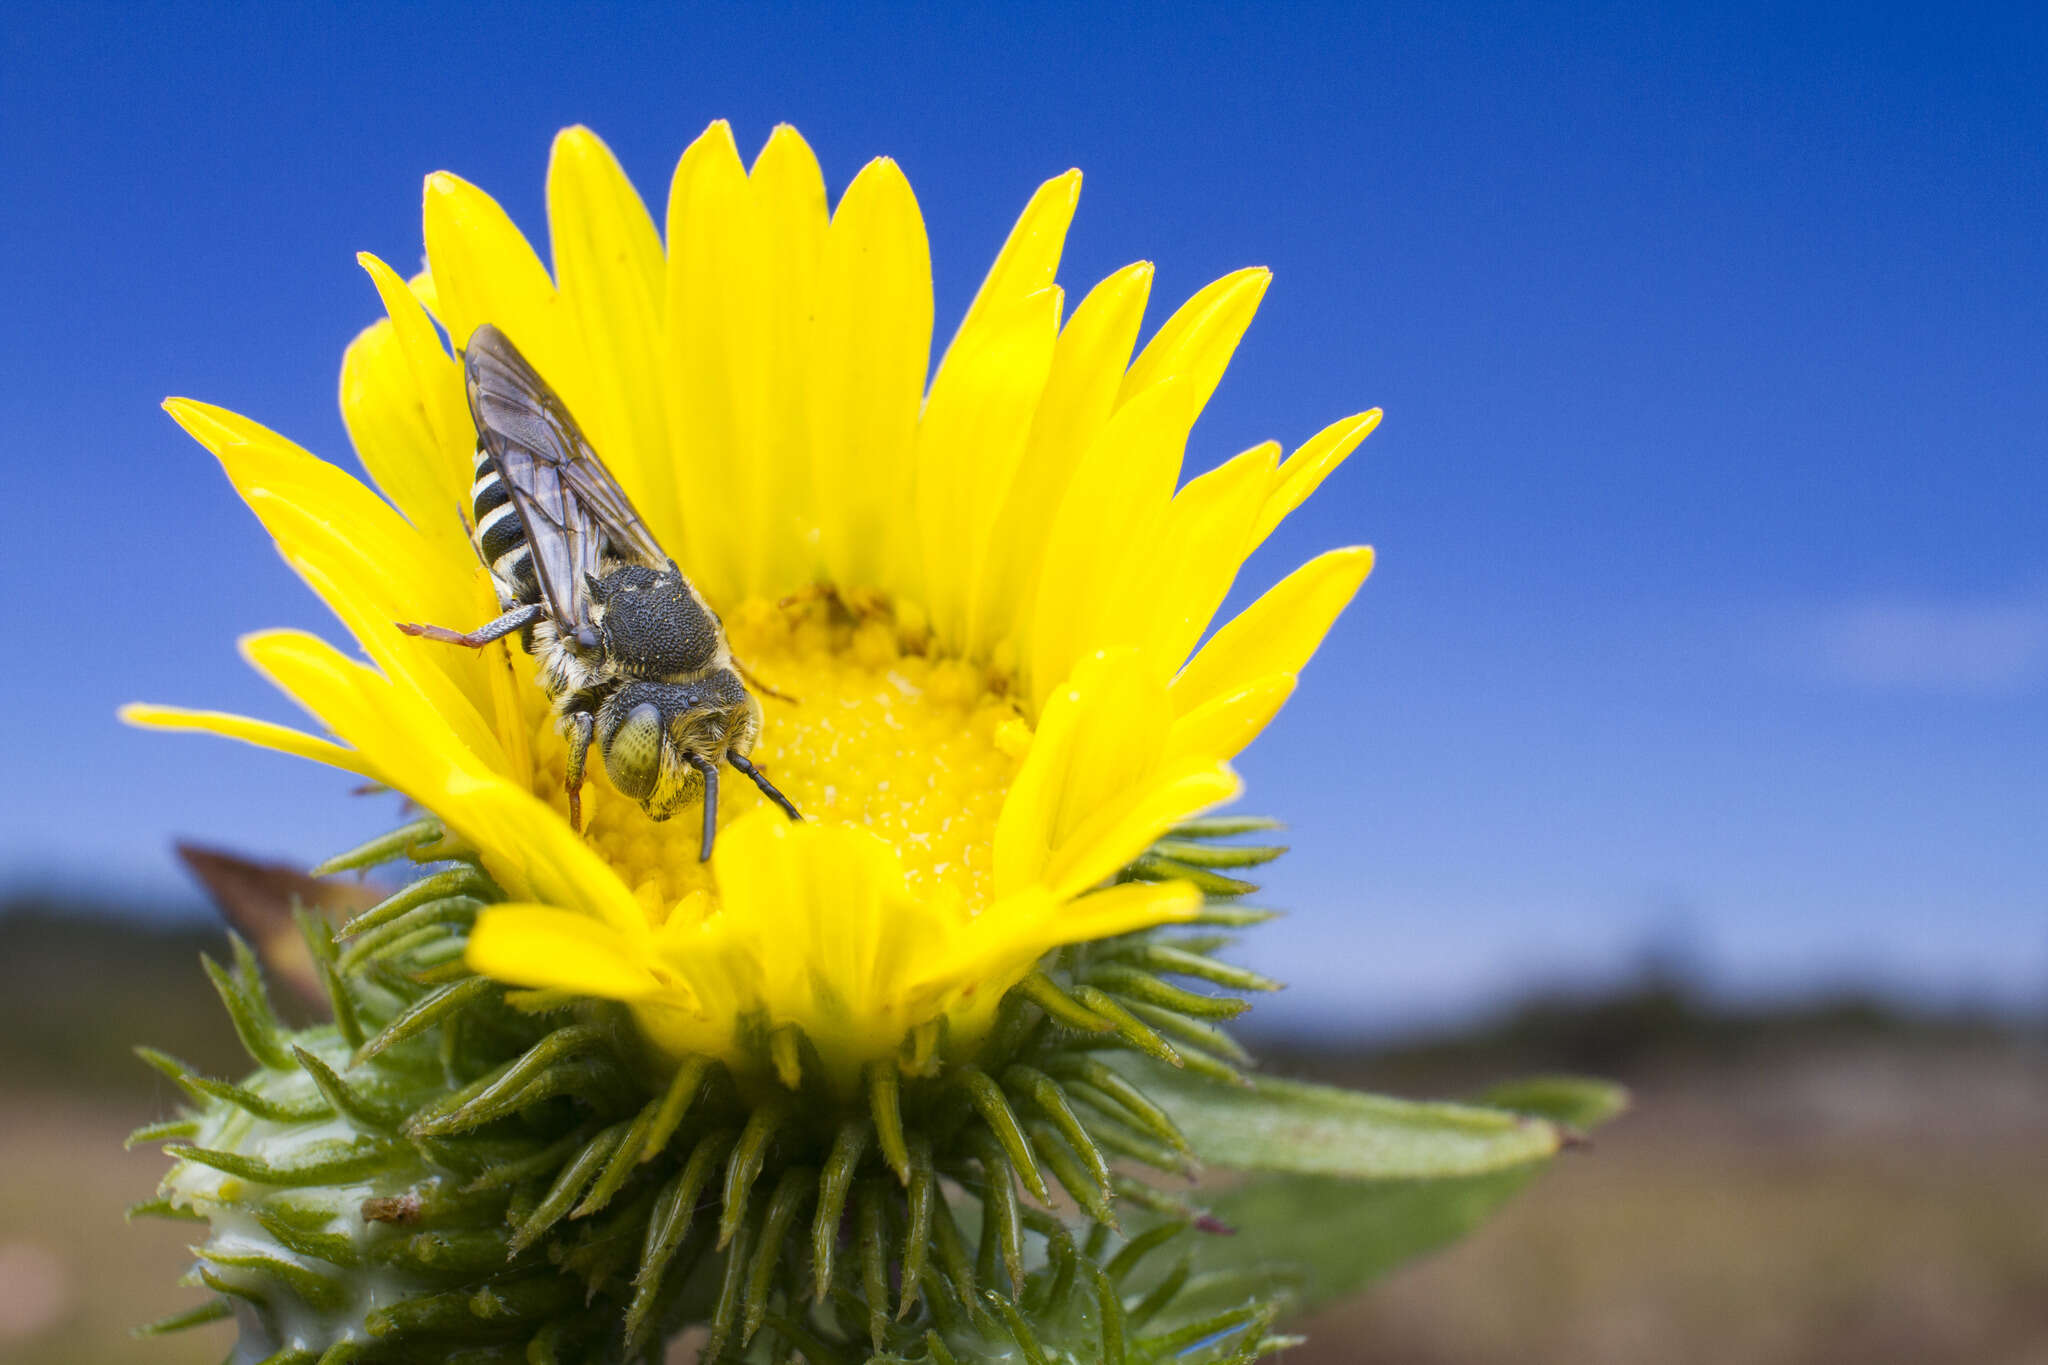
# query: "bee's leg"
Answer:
x=758 y=685
x=741 y=762
x=580 y=726
x=710 y=771
x=482 y=635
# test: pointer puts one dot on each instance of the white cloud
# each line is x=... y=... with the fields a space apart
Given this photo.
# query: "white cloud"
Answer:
x=1968 y=648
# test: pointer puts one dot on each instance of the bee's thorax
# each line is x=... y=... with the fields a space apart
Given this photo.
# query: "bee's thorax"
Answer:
x=653 y=625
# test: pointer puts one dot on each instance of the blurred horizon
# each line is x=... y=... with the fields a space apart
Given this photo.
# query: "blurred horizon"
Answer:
x=1711 y=615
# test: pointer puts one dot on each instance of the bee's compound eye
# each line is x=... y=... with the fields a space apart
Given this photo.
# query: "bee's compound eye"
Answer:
x=632 y=755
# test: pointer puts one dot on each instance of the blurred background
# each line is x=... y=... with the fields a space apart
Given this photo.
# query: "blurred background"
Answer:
x=1690 y=731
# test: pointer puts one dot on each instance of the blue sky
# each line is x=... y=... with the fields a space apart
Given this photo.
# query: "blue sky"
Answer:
x=1711 y=500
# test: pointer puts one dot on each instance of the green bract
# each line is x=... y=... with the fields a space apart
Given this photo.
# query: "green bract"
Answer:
x=453 y=1170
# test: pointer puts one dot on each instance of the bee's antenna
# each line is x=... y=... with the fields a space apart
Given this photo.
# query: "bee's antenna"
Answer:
x=710 y=771
x=740 y=762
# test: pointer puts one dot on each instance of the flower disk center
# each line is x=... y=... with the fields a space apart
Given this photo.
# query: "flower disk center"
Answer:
x=874 y=733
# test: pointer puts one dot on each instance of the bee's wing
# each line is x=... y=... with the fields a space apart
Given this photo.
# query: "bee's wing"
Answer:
x=569 y=503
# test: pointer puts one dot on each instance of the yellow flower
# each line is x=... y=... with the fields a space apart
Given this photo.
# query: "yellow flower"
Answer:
x=980 y=598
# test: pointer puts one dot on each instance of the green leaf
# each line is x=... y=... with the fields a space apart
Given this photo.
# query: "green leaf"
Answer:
x=1341 y=1187
x=1576 y=1101
x=1317 y=1238
x=1304 y=1129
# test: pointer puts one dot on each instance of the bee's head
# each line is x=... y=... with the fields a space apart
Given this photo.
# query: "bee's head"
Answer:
x=647 y=731
x=652 y=623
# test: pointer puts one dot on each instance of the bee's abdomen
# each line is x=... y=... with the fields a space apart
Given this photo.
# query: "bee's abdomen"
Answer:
x=498 y=533
x=489 y=491
x=501 y=537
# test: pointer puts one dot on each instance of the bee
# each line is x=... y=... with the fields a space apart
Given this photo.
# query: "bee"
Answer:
x=632 y=657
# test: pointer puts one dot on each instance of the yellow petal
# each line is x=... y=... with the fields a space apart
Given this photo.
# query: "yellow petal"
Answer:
x=1173 y=591
x=1088 y=366
x=528 y=848
x=714 y=341
x=1029 y=259
x=830 y=893
x=273 y=474
x=968 y=444
x=1276 y=634
x=1196 y=343
x=1023 y=835
x=1121 y=734
x=1097 y=751
x=485 y=271
x=530 y=851
x=509 y=682
x=366 y=563
x=538 y=945
x=394 y=435
x=1126 y=909
x=261 y=733
x=790 y=218
x=965 y=963
x=436 y=380
x=1222 y=726
x=1307 y=467
x=815 y=919
x=356 y=703
x=999 y=947
x=452 y=679
x=1087 y=370
x=390 y=428
x=608 y=268
x=410 y=371
x=869 y=349
x=962 y=973
x=1127 y=826
x=1111 y=511
x=395 y=728
x=422 y=287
